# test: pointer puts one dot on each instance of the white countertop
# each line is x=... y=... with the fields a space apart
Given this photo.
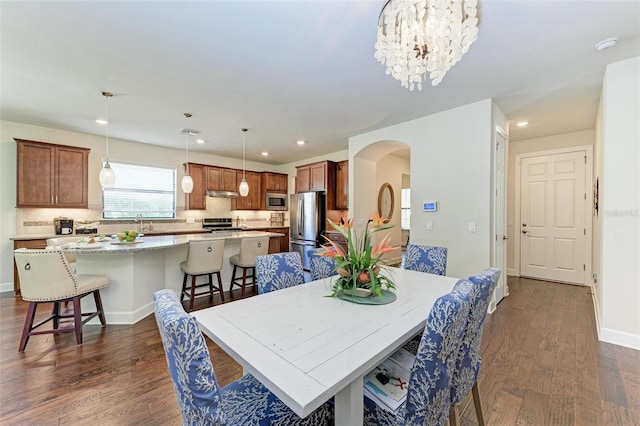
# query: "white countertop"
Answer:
x=158 y=242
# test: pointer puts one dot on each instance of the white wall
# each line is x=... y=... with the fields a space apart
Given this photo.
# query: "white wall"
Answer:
x=620 y=196
x=585 y=137
x=450 y=164
x=119 y=151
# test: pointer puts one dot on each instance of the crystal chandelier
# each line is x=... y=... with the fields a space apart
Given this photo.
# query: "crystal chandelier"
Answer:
x=107 y=176
x=420 y=36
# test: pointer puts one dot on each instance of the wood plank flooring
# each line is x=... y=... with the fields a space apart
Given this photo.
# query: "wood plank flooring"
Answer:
x=542 y=365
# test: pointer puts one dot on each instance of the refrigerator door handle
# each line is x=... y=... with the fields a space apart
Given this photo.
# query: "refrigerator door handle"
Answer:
x=302 y=215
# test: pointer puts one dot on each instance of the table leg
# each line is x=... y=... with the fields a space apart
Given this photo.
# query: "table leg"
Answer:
x=349 y=404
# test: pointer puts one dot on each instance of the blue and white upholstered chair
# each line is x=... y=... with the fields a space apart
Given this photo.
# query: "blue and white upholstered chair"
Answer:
x=202 y=402
x=465 y=376
x=278 y=271
x=426 y=259
x=321 y=267
x=429 y=390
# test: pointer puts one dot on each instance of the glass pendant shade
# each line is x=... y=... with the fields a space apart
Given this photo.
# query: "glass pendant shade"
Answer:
x=107 y=176
x=187 y=184
x=244 y=188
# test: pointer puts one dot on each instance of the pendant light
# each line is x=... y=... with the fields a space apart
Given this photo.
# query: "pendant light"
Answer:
x=107 y=175
x=187 y=182
x=244 y=186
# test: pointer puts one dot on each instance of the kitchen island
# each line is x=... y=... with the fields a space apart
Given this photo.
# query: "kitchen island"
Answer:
x=137 y=270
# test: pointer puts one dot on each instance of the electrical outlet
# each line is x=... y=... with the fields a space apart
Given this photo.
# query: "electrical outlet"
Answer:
x=191 y=220
x=429 y=225
x=472 y=227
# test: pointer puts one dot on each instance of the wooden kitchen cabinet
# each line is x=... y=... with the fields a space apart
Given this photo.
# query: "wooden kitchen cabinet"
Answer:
x=197 y=199
x=278 y=245
x=342 y=185
x=275 y=182
x=221 y=179
x=50 y=175
x=319 y=176
x=251 y=201
x=28 y=244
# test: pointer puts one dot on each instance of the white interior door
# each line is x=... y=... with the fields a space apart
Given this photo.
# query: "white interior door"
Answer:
x=500 y=215
x=552 y=215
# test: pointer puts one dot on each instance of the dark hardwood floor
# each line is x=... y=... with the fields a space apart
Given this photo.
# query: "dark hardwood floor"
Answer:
x=542 y=365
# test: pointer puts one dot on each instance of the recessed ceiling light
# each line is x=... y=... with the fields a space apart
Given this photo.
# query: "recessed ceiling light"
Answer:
x=522 y=123
x=101 y=121
x=300 y=142
x=265 y=153
x=200 y=141
x=606 y=43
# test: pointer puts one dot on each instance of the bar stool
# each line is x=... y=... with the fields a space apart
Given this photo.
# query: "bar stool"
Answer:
x=45 y=277
x=246 y=259
x=54 y=243
x=204 y=257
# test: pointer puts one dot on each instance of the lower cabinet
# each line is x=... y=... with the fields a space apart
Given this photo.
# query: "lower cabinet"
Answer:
x=279 y=245
x=29 y=244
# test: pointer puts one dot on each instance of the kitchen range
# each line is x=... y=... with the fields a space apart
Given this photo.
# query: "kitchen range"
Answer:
x=220 y=226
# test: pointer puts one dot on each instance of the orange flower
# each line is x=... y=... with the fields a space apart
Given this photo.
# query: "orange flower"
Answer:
x=332 y=251
x=377 y=220
x=383 y=246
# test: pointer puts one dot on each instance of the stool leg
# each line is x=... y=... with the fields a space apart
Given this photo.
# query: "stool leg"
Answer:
x=233 y=277
x=98 y=300
x=28 y=324
x=220 y=287
x=193 y=292
x=184 y=287
x=77 y=319
x=210 y=287
x=56 y=315
x=244 y=280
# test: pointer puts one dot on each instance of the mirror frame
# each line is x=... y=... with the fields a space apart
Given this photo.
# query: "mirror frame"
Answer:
x=380 y=195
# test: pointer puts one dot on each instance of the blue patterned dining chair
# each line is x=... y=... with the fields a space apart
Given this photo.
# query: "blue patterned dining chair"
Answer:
x=429 y=389
x=278 y=271
x=200 y=399
x=321 y=267
x=429 y=259
x=465 y=375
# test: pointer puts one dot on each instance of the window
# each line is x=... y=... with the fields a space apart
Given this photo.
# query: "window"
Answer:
x=405 y=208
x=150 y=191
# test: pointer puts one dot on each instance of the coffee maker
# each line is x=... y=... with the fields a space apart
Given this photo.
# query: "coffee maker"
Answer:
x=64 y=225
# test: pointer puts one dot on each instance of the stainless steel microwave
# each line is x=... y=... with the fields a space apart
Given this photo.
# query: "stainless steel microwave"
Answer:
x=276 y=201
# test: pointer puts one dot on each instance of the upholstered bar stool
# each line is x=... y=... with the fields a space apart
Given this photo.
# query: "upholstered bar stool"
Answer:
x=45 y=277
x=246 y=260
x=54 y=243
x=204 y=257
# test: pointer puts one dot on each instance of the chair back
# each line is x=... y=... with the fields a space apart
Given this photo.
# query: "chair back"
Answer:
x=430 y=259
x=204 y=256
x=56 y=242
x=252 y=247
x=321 y=267
x=194 y=379
x=469 y=359
x=429 y=391
x=278 y=271
x=45 y=275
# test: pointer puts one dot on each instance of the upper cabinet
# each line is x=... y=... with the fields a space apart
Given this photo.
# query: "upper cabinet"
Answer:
x=275 y=182
x=342 y=185
x=51 y=175
x=251 y=201
x=319 y=176
x=197 y=199
x=221 y=179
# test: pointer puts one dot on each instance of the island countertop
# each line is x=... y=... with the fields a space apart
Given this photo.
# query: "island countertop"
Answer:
x=146 y=243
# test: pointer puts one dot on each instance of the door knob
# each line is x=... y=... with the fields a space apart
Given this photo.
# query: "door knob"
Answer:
x=524 y=224
x=524 y=232
x=504 y=237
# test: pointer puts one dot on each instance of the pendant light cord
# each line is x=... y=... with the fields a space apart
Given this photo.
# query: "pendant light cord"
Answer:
x=106 y=102
x=244 y=134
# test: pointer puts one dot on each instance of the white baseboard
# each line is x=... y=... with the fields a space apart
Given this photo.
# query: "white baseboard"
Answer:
x=616 y=337
x=512 y=272
x=6 y=287
x=619 y=338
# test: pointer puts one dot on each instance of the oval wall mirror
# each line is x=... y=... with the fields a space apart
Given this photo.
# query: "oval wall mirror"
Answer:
x=385 y=201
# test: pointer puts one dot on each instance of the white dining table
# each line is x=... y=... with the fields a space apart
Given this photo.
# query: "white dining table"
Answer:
x=306 y=348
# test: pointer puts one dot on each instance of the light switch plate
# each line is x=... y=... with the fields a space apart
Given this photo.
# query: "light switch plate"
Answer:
x=472 y=227
x=429 y=225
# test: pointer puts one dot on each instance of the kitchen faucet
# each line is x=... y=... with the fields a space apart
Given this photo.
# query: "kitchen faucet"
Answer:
x=139 y=220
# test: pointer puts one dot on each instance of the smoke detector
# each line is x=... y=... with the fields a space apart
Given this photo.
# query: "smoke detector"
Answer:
x=606 y=43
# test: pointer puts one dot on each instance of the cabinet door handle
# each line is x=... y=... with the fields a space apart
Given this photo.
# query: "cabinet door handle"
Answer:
x=56 y=199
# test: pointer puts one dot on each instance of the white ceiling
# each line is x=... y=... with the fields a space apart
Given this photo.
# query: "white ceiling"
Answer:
x=291 y=69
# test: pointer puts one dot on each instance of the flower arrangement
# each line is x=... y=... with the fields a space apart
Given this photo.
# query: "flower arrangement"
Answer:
x=359 y=268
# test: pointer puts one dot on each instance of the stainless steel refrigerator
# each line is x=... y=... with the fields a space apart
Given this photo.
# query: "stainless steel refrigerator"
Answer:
x=306 y=223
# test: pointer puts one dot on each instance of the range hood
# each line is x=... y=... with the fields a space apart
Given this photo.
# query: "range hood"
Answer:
x=222 y=194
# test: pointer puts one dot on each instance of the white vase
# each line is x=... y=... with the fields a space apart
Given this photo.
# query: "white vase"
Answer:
x=358 y=292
